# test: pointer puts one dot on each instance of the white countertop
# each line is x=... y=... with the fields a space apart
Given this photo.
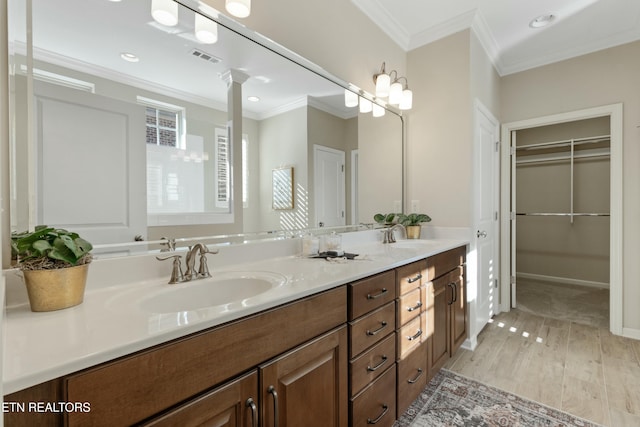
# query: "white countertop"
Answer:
x=42 y=346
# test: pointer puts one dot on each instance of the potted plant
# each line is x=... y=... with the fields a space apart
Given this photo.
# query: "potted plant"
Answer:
x=54 y=263
x=412 y=223
x=385 y=219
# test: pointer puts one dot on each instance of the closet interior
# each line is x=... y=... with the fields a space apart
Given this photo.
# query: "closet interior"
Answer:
x=562 y=205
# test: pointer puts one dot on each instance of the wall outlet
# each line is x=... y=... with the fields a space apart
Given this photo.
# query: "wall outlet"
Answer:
x=415 y=206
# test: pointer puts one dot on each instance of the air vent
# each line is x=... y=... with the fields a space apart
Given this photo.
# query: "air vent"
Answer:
x=206 y=56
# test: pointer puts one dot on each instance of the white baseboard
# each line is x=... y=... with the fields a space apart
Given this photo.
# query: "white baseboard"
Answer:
x=470 y=343
x=631 y=333
x=565 y=280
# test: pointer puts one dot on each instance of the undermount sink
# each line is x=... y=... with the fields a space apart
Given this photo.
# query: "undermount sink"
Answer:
x=223 y=288
x=410 y=243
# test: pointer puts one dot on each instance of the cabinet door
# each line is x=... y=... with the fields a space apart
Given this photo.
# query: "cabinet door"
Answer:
x=438 y=324
x=458 y=312
x=232 y=405
x=308 y=385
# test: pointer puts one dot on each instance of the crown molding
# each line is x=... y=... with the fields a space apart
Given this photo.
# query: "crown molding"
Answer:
x=382 y=19
x=454 y=25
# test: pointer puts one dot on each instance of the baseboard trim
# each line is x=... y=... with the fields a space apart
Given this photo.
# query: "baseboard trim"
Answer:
x=470 y=343
x=631 y=333
x=563 y=280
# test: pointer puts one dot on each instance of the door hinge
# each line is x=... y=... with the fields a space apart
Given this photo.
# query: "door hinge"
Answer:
x=512 y=150
x=342 y=167
x=495 y=283
x=512 y=216
x=495 y=215
x=342 y=214
x=512 y=280
x=497 y=146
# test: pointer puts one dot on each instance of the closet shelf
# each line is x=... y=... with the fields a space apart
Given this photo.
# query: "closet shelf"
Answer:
x=562 y=214
x=565 y=143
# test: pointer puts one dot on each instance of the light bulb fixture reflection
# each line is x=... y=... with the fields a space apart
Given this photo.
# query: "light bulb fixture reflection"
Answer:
x=378 y=111
x=407 y=100
x=350 y=98
x=365 y=105
x=165 y=12
x=238 y=8
x=206 y=30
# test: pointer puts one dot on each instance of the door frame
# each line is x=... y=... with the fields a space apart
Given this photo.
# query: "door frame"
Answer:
x=472 y=258
x=616 y=250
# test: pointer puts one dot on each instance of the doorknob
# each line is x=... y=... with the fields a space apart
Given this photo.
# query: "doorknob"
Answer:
x=481 y=234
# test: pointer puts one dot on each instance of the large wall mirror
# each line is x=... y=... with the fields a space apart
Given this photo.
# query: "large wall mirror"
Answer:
x=120 y=128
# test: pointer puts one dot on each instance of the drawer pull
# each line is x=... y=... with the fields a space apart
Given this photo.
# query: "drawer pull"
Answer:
x=414 y=279
x=254 y=412
x=272 y=390
x=420 y=372
x=378 y=366
x=385 y=409
x=416 y=336
x=417 y=306
x=377 y=331
x=378 y=295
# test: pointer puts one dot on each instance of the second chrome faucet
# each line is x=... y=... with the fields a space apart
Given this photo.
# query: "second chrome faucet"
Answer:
x=191 y=273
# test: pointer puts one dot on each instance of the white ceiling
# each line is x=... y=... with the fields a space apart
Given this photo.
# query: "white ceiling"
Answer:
x=502 y=26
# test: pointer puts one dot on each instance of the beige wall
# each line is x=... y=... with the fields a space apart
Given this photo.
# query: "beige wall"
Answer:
x=439 y=130
x=601 y=78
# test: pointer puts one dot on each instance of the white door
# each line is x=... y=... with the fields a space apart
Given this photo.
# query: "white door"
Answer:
x=92 y=170
x=486 y=208
x=329 y=186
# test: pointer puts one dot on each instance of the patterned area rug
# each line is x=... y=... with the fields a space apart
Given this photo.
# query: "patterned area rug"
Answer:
x=453 y=400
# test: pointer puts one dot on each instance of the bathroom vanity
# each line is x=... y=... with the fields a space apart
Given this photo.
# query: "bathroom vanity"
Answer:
x=338 y=343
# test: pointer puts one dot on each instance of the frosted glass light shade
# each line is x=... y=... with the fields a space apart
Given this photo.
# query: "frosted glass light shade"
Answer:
x=395 y=93
x=350 y=99
x=238 y=8
x=206 y=30
x=378 y=111
x=365 y=105
x=383 y=81
x=165 y=12
x=407 y=100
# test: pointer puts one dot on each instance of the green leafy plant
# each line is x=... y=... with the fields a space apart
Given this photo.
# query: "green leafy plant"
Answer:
x=48 y=248
x=413 y=219
x=385 y=219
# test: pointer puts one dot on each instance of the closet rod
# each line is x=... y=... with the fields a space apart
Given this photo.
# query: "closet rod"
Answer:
x=561 y=214
x=589 y=140
x=562 y=157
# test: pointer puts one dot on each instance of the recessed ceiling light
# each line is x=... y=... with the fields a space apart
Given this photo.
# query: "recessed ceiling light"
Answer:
x=130 y=57
x=541 y=21
x=253 y=98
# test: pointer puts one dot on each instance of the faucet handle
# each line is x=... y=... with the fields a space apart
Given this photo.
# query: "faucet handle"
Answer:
x=176 y=271
x=203 y=270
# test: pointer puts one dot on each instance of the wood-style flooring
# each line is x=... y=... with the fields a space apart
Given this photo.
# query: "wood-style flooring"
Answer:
x=575 y=365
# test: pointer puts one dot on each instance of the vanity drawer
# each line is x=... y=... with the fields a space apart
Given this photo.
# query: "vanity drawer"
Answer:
x=411 y=305
x=370 y=293
x=376 y=404
x=444 y=262
x=411 y=335
x=411 y=276
x=412 y=377
x=369 y=329
x=372 y=363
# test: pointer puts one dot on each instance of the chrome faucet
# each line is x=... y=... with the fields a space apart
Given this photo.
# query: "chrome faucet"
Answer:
x=191 y=274
x=389 y=237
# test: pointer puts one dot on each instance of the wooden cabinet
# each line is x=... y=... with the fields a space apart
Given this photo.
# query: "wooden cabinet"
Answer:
x=412 y=334
x=307 y=386
x=372 y=350
x=446 y=306
x=232 y=405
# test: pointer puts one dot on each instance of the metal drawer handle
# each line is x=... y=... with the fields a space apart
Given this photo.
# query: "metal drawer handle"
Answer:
x=420 y=372
x=272 y=390
x=372 y=333
x=416 y=335
x=378 y=366
x=417 y=306
x=414 y=279
x=378 y=295
x=254 y=412
x=385 y=409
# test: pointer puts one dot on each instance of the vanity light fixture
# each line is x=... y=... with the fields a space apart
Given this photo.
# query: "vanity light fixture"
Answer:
x=238 y=8
x=350 y=98
x=389 y=84
x=365 y=105
x=206 y=30
x=165 y=12
x=541 y=21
